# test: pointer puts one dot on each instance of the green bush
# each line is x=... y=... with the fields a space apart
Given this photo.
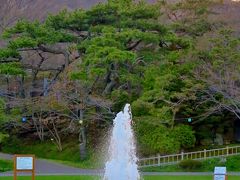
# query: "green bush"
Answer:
x=185 y=135
x=3 y=137
x=190 y=164
x=141 y=108
x=155 y=139
x=119 y=98
x=5 y=165
x=232 y=163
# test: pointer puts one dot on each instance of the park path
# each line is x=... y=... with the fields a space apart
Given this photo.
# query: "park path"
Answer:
x=44 y=167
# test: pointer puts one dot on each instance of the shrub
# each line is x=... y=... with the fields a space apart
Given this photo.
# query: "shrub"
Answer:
x=141 y=108
x=5 y=165
x=233 y=163
x=190 y=164
x=155 y=139
x=3 y=137
x=120 y=98
x=185 y=135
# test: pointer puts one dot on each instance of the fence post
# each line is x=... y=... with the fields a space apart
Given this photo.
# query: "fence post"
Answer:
x=182 y=155
x=227 y=150
x=205 y=153
x=159 y=159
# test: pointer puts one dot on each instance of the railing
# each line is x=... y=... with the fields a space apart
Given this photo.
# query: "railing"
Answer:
x=197 y=155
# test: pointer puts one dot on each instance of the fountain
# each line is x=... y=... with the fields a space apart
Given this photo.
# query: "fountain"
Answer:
x=122 y=163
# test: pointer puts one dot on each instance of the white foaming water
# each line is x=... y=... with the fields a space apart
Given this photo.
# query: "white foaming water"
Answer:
x=122 y=163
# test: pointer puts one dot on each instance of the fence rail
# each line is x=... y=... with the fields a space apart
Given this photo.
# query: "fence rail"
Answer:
x=197 y=155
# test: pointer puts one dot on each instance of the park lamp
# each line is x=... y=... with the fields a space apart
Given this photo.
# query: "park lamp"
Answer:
x=24 y=119
x=189 y=120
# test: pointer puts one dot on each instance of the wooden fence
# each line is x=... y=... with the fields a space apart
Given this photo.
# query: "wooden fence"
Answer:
x=197 y=155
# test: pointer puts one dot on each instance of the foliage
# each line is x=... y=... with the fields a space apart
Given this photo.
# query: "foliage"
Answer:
x=5 y=165
x=120 y=97
x=232 y=162
x=110 y=56
x=118 y=52
x=184 y=135
x=206 y=165
x=220 y=75
x=165 y=92
x=47 y=150
x=190 y=17
x=33 y=34
x=190 y=164
x=5 y=117
x=3 y=137
x=155 y=138
x=9 y=69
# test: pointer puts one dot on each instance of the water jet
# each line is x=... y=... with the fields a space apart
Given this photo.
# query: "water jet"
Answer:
x=122 y=162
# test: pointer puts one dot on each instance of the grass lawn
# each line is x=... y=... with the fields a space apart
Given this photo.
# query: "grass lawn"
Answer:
x=98 y=178
x=70 y=156
x=5 y=165
x=231 y=162
x=48 y=150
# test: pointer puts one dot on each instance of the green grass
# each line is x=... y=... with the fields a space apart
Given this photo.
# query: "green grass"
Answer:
x=232 y=164
x=98 y=178
x=185 y=178
x=5 y=165
x=70 y=156
x=48 y=150
x=54 y=178
x=89 y=163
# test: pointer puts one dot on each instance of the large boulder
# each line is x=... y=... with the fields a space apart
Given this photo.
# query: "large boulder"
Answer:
x=218 y=139
x=206 y=142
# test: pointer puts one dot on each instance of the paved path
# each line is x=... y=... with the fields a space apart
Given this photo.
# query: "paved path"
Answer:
x=44 y=167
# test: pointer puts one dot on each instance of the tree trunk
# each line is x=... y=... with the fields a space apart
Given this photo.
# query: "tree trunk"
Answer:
x=21 y=91
x=83 y=143
x=57 y=137
x=82 y=137
x=37 y=122
x=55 y=134
x=109 y=87
x=8 y=96
x=173 y=119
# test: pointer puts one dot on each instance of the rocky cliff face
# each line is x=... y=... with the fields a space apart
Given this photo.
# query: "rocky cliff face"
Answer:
x=12 y=10
x=228 y=12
